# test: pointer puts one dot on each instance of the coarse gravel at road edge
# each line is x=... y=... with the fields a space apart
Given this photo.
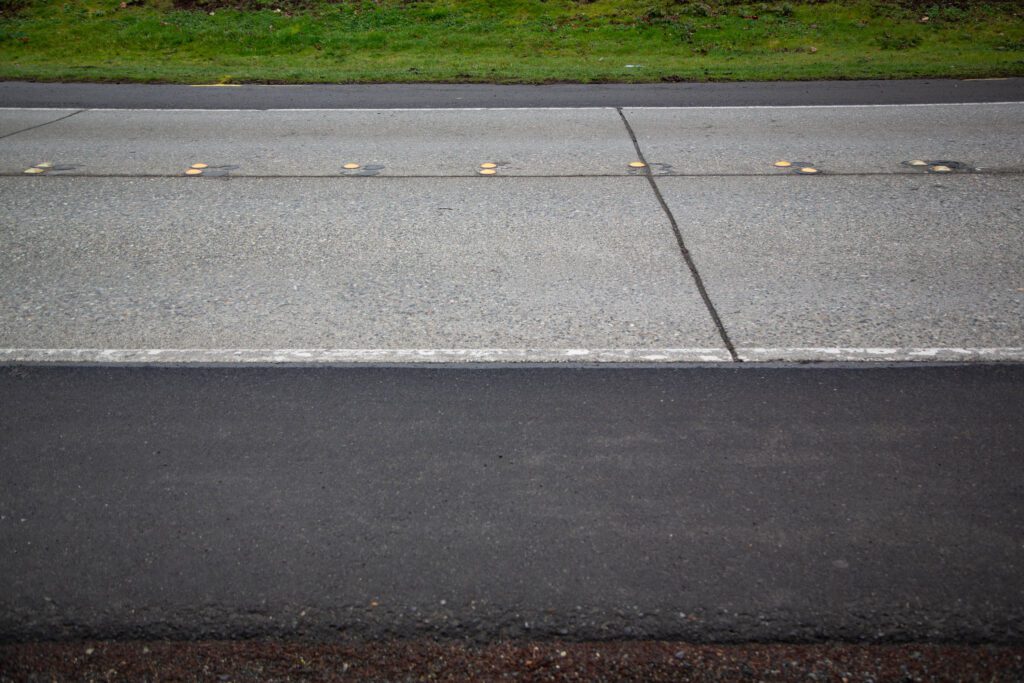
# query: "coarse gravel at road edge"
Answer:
x=521 y=660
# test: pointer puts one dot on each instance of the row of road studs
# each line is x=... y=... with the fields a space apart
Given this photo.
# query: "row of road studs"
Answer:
x=489 y=168
x=46 y=167
x=798 y=167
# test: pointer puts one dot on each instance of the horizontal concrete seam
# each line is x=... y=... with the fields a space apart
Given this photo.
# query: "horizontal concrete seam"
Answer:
x=332 y=176
x=507 y=176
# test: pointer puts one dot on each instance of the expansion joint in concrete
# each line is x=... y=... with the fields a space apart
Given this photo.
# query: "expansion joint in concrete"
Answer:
x=40 y=125
x=687 y=256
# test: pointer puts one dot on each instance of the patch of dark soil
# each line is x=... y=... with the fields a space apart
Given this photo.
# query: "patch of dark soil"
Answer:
x=283 y=5
x=244 y=5
x=10 y=8
x=523 y=661
x=933 y=5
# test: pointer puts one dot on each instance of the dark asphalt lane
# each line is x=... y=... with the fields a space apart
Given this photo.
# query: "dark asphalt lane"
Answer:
x=417 y=96
x=702 y=503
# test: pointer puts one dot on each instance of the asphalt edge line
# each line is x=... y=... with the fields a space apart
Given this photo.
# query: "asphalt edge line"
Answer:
x=698 y=280
x=524 y=107
x=25 y=130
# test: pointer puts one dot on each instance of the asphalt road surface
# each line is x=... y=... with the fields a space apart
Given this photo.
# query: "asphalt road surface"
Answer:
x=864 y=503
x=128 y=96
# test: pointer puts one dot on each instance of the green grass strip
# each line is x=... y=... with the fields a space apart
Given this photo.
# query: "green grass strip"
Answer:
x=505 y=41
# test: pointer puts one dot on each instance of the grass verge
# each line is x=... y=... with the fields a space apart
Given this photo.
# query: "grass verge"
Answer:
x=506 y=41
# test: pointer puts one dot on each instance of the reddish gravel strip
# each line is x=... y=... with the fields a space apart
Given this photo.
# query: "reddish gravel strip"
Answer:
x=548 y=661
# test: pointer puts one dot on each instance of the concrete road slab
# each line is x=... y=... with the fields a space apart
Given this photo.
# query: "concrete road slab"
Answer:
x=872 y=139
x=397 y=263
x=400 y=143
x=800 y=266
x=15 y=120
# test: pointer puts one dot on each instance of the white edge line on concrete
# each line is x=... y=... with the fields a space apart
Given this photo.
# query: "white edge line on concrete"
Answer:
x=524 y=108
x=494 y=355
x=845 y=353
x=539 y=355
x=834 y=106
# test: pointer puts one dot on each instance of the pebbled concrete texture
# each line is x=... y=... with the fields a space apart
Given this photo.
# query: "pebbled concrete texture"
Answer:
x=835 y=140
x=559 y=142
x=512 y=268
x=706 y=504
x=335 y=263
x=14 y=121
x=859 y=262
x=417 y=143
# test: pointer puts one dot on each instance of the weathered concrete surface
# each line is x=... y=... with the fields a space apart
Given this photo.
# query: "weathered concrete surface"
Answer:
x=367 y=263
x=802 y=265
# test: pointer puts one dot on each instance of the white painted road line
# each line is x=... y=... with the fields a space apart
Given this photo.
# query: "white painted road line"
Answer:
x=843 y=353
x=561 y=355
x=461 y=109
x=550 y=355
